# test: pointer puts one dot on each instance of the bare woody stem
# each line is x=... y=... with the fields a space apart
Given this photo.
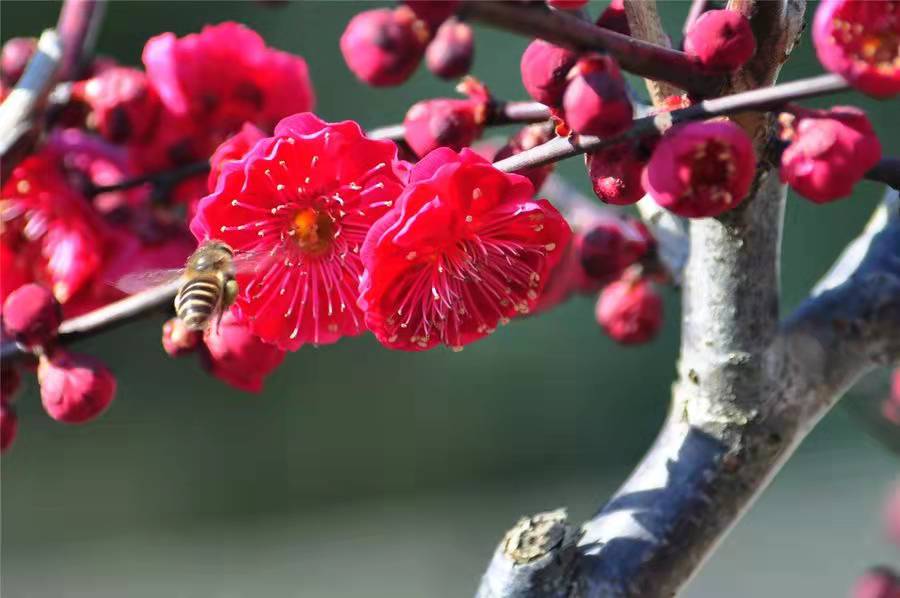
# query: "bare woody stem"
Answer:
x=639 y=57
x=78 y=26
x=755 y=100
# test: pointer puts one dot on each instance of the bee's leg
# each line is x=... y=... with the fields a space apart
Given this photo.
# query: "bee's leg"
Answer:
x=229 y=294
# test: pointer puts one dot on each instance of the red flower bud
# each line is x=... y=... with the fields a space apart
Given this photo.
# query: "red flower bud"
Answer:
x=830 y=152
x=124 y=105
x=527 y=138
x=858 y=40
x=595 y=101
x=721 y=40
x=451 y=52
x=615 y=173
x=614 y=18
x=878 y=582
x=14 y=57
x=9 y=425
x=74 y=388
x=32 y=314
x=629 y=311
x=544 y=68
x=445 y=122
x=433 y=12
x=383 y=47
x=610 y=246
x=701 y=169
x=178 y=339
x=567 y=4
x=237 y=357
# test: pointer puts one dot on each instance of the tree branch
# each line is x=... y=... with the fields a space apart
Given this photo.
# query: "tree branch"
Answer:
x=18 y=111
x=60 y=55
x=78 y=26
x=718 y=447
x=766 y=98
x=636 y=56
x=707 y=464
x=501 y=113
x=645 y=24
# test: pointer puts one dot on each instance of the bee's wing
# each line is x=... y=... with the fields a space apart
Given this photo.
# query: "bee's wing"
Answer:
x=253 y=260
x=138 y=281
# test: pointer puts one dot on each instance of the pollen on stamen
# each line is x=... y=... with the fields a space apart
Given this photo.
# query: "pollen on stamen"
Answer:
x=477 y=193
x=279 y=187
x=411 y=255
x=550 y=246
x=469 y=218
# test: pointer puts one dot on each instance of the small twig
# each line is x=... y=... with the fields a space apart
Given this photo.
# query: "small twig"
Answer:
x=162 y=179
x=887 y=171
x=78 y=26
x=645 y=24
x=639 y=57
x=502 y=113
x=18 y=113
x=757 y=99
x=103 y=318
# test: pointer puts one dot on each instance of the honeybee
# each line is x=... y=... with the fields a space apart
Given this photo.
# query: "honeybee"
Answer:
x=208 y=286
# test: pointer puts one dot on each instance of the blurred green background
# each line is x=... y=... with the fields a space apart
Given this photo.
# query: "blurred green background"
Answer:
x=365 y=472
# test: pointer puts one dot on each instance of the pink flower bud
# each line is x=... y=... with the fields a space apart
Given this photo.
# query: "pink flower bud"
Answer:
x=450 y=54
x=529 y=137
x=74 y=388
x=721 y=40
x=629 y=311
x=383 y=47
x=544 y=68
x=32 y=314
x=615 y=173
x=614 y=18
x=858 y=40
x=177 y=339
x=232 y=149
x=567 y=4
x=237 y=357
x=701 y=169
x=595 y=101
x=878 y=582
x=433 y=12
x=123 y=103
x=14 y=57
x=611 y=246
x=9 y=425
x=830 y=152
x=445 y=122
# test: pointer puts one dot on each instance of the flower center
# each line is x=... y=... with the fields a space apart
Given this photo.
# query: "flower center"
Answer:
x=313 y=230
x=876 y=43
x=712 y=168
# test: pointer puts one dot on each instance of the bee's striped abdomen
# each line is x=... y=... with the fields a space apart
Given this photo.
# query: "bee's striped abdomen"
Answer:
x=196 y=300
